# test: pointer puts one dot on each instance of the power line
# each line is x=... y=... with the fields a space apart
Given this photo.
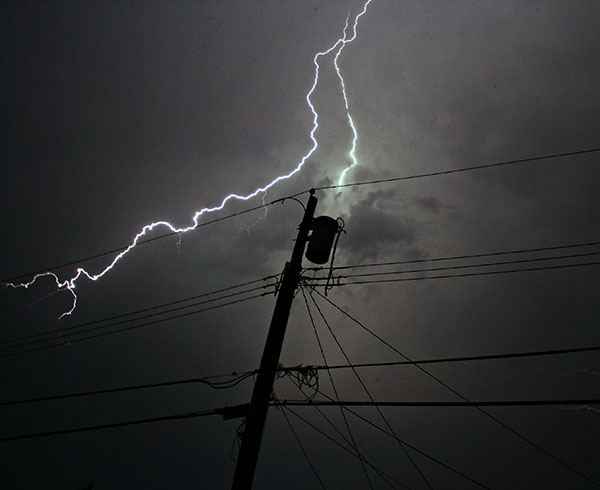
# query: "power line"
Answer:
x=306 y=456
x=148 y=240
x=62 y=335
x=288 y=403
x=182 y=315
x=485 y=357
x=469 y=266
x=346 y=423
x=356 y=455
x=463 y=169
x=354 y=184
x=452 y=390
x=385 y=421
x=218 y=385
x=297 y=384
x=462 y=404
x=459 y=257
x=244 y=374
x=393 y=436
x=54 y=332
x=131 y=313
x=448 y=276
x=180 y=416
x=422 y=453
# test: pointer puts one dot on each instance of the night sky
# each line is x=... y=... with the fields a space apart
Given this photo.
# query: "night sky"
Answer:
x=118 y=114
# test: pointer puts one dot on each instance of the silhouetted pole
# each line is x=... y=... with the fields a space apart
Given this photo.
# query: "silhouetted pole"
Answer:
x=257 y=412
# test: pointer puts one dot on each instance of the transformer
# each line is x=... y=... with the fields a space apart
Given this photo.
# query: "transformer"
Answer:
x=324 y=229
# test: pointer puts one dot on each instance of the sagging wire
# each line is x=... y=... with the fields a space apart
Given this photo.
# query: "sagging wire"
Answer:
x=223 y=385
x=302 y=376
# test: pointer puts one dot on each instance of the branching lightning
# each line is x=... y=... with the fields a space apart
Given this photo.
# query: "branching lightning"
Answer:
x=263 y=217
x=70 y=284
x=352 y=153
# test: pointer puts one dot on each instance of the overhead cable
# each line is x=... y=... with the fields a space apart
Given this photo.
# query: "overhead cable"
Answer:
x=337 y=443
x=444 y=360
x=346 y=423
x=203 y=413
x=354 y=184
x=288 y=403
x=463 y=169
x=244 y=374
x=434 y=404
x=365 y=389
x=460 y=257
x=464 y=266
x=71 y=332
x=125 y=329
x=148 y=240
x=449 y=276
x=422 y=453
x=218 y=385
x=62 y=331
x=468 y=266
x=301 y=446
x=462 y=397
x=332 y=425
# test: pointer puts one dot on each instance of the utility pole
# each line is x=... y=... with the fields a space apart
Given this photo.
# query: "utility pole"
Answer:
x=257 y=411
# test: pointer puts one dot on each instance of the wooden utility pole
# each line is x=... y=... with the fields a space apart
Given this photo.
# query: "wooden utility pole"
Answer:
x=257 y=412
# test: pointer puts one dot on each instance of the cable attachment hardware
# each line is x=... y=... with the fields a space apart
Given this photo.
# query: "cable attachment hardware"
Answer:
x=280 y=279
x=303 y=376
x=330 y=279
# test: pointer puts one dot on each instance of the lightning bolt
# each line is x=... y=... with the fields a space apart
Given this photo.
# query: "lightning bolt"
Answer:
x=263 y=217
x=70 y=284
x=345 y=41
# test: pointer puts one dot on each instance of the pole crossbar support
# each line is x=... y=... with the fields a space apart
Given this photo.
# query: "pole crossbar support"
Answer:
x=234 y=412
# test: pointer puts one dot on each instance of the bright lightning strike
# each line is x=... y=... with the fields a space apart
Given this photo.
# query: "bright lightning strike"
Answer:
x=352 y=153
x=69 y=284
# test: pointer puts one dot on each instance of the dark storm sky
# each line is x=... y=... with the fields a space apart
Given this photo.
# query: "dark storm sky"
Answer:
x=117 y=114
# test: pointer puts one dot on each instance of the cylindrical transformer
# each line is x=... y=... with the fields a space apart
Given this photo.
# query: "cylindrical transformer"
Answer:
x=320 y=241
